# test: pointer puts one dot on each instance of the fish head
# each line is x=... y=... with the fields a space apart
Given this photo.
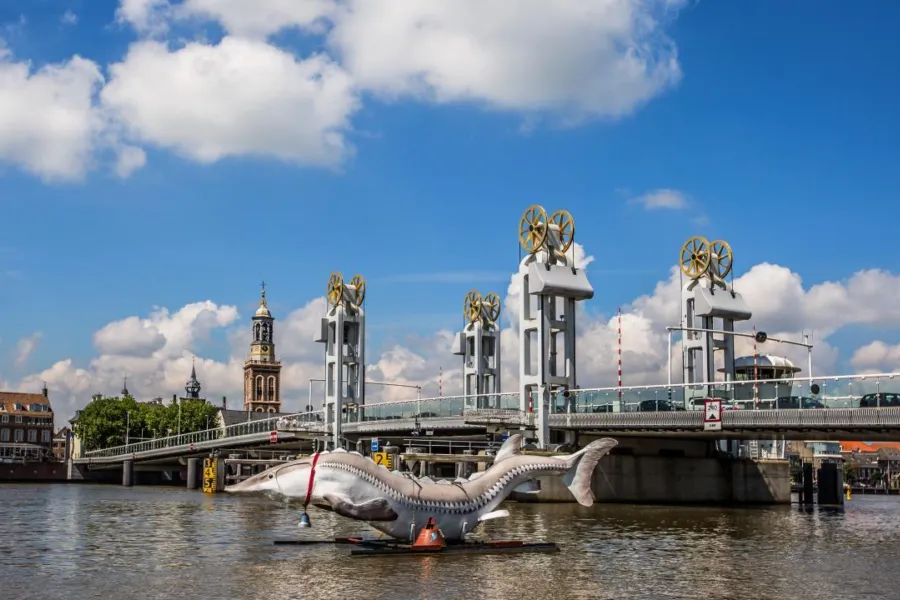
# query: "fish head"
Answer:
x=288 y=481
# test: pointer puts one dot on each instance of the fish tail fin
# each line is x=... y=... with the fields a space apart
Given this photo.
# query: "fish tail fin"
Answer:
x=580 y=469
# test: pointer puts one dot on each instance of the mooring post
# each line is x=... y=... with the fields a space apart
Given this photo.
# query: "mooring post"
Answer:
x=831 y=484
x=193 y=468
x=128 y=473
x=806 y=496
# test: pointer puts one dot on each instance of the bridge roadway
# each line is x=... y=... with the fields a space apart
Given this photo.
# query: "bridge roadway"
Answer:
x=636 y=411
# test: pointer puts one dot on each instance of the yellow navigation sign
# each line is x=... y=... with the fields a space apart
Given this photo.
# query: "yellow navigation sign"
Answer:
x=384 y=459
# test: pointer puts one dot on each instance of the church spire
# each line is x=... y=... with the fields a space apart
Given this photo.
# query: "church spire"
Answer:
x=192 y=387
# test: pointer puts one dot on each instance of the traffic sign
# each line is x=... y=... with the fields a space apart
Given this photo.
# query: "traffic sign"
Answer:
x=712 y=414
x=374 y=444
x=273 y=436
x=384 y=459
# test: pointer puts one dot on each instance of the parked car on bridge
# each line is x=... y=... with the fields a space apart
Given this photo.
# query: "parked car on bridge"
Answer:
x=658 y=406
x=879 y=399
x=788 y=402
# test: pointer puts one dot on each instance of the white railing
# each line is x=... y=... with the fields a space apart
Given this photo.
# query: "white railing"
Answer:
x=841 y=391
x=311 y=420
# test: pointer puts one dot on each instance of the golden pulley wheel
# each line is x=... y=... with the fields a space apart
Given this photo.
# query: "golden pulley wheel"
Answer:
x=491 y=307
x=335 y=288
x=360 y=284
x=695 y=257
x=722 y=250
x=533 y=228
x=472 y=306
x=565 y=226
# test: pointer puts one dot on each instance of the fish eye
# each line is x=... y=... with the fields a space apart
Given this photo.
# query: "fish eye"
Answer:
x=271 y=475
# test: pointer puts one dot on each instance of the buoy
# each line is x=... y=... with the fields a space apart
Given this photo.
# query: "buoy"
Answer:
x=304 y=520
x=430 y=536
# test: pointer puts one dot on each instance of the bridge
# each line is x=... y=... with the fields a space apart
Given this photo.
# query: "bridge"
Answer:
x=762 y=397
x=659 y=410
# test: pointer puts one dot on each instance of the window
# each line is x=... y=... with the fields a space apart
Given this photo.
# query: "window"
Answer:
x=32 y=435
x=5 y=419
x=20 y=435
x=45 y=436
x=18 y=418
x=4 y=435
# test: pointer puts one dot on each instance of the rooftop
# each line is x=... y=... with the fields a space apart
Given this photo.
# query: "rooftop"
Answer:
x=19 y=403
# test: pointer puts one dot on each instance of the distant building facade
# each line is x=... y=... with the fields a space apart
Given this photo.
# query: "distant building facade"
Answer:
x=26 y=426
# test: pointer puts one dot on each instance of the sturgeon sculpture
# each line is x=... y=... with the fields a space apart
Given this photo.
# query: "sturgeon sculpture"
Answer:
x=353 y=486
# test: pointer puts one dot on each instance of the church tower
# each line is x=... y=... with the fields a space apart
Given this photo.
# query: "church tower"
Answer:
x=192 y=387
x=262 y=373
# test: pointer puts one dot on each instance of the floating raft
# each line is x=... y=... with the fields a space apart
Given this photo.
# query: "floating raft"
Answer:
x=382 y=547
x=495 y=547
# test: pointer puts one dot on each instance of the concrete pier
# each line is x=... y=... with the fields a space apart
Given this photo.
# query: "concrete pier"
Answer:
x=128 y=473
x=193 y=473
x=806 y=494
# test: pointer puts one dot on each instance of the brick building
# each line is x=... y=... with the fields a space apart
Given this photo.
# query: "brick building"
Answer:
x=26 y=426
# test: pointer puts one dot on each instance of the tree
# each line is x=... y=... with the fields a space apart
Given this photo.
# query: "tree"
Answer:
x=103 y=422
x=849 y=473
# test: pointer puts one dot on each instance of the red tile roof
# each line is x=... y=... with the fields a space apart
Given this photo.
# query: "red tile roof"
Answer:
x=9 y=400
x=868 y=447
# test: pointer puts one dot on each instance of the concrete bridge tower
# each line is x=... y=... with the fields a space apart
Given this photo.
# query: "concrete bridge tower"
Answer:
x=343 y=332
x=551 y=284
x=479 y=345
x=710 y=308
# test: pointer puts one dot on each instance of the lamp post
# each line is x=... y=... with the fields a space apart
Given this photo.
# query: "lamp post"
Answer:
x=127 y=425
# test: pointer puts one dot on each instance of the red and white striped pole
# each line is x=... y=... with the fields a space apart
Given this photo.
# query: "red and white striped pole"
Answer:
x=441 y=382
x=755 y=370
x=620 y=353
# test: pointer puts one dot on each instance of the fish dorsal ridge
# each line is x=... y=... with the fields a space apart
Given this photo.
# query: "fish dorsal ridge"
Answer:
x=511 y=447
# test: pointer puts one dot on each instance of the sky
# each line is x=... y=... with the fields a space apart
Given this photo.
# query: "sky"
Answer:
x=160 y=158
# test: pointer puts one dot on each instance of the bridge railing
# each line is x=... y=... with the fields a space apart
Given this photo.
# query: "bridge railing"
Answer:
x=802 y=393
x=311 y=420
x=432 y=408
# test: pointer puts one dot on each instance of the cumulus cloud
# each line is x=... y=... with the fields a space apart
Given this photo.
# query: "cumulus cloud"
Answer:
x=236 y=98
x=877 y=357
x=248 y=95
x=49 y=124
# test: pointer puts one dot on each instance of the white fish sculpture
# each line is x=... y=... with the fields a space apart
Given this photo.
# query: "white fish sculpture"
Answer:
x=353 y=486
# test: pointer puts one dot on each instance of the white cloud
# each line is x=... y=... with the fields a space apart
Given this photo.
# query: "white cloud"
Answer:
x=238 y=97
x=69 y=18
x=246 y=96
x=662 y=198
x=877 y=357
x=49 y=125
x=25 y=347
x=577 y=57
x=155 y=351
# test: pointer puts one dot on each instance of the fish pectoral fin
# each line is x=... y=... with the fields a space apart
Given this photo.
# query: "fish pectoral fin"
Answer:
x=378 y=509
x=497 y=514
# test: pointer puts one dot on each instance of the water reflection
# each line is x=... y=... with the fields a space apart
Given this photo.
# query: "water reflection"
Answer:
x=97 y=541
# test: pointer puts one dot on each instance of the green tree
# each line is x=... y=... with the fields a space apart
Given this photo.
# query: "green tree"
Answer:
x=849 y=473
x=103 y=422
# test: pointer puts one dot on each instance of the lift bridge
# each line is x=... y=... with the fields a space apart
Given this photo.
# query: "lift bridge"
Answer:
x=763 y=398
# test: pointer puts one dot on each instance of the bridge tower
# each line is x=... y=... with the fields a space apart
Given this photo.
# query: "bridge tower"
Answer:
x=551 y=284
x=479 y=345
x=343 y=332
x=711 y=305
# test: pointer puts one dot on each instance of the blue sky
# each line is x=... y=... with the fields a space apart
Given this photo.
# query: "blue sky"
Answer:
x=781 y=134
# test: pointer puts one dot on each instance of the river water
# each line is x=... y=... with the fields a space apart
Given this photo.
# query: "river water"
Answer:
x=103 y=541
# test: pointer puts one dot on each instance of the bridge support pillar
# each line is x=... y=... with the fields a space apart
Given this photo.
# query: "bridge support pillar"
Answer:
x=193 y=469
x=465 y=469
x=128 y=473
x=831 y=484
